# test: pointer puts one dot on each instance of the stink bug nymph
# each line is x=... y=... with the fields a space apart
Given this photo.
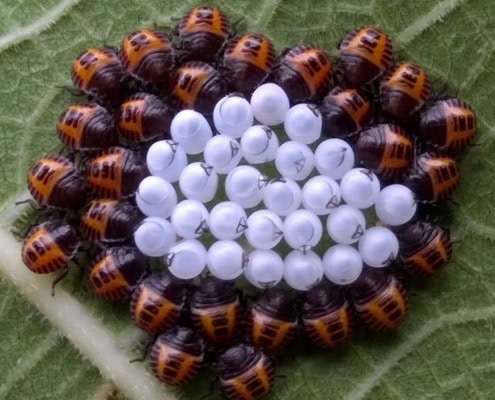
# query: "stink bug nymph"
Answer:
x=99 y=73
x=327 y=316
x=148 y=55
x=380 y=300
x=364 y=55
x=247 y=61
x=246 y=373
x=116 y=271
x=86 y=126
x=109 y=221
x=202 y=31
x=432 y=177
x=447 y=124
x=49 y=247
x=385 y=149
x=116 y=173
x=343 y=112
x=157 y=302
x=143 y=117
x=424 y=248
x=403 y=90
x=197 y=85
x=54 y=181
x=304 y=73
x=216 y=311
x=272 y=320
x=177 y=355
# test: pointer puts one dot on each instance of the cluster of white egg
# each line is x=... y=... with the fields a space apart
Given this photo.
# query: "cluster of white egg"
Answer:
x=293 y=204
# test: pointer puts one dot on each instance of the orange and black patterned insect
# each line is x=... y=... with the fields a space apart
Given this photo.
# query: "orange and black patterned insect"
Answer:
x=116 y=271
x=403 y=90
x=144 y=117
x=216 y=311
x=202 y=32
x=380 y=300
x=423 y=248
x=385 y=149
x=109 y=221
x=272 y=320
x=304 y=73
x=49 y=247
x=177 y=355
x=98 y=72
x=54 y=181
x=344 y=111
x=116 y=173
x=197 y=85
x=148 y=55
x=448 y=124
x=433 y=178
x=157 y=302
x=246 y=373
x=364 y=55
x=327 y=316
x=247 y=61
x=86 y=126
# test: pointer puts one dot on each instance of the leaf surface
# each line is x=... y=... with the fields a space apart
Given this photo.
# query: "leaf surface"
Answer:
x=446 y=348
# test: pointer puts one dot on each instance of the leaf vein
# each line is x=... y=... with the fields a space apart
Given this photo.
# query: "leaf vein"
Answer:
x=457 y=317
x=424 y=21
x=80 y=326
x=26 y=364
x=35 y=28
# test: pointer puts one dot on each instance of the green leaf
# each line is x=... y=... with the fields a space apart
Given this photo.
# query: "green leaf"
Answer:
x=446 y=347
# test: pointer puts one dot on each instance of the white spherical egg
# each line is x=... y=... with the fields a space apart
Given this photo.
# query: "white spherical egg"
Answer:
x=342 y=264
x=259 y=144
x=360 y=188
x=294 y=160
x=232 y=115
x=321 y=195
x=265 y=229
x=191 y=130
x=223 y=153
x=395 y=205
x=186 y=259
x=282 y=196
x=156 y=197
x=199 y=181
x=303 y=123
x=166 y=159
x=378 y=247
x=265 y=268
x=226 y=260
x=228 y=220
x=270 y=104
x=154 y=236
x=346 y=224
x=244 y=185
x=302 y=230
x=190 y=219
x=302 y=271
x=333 y=158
